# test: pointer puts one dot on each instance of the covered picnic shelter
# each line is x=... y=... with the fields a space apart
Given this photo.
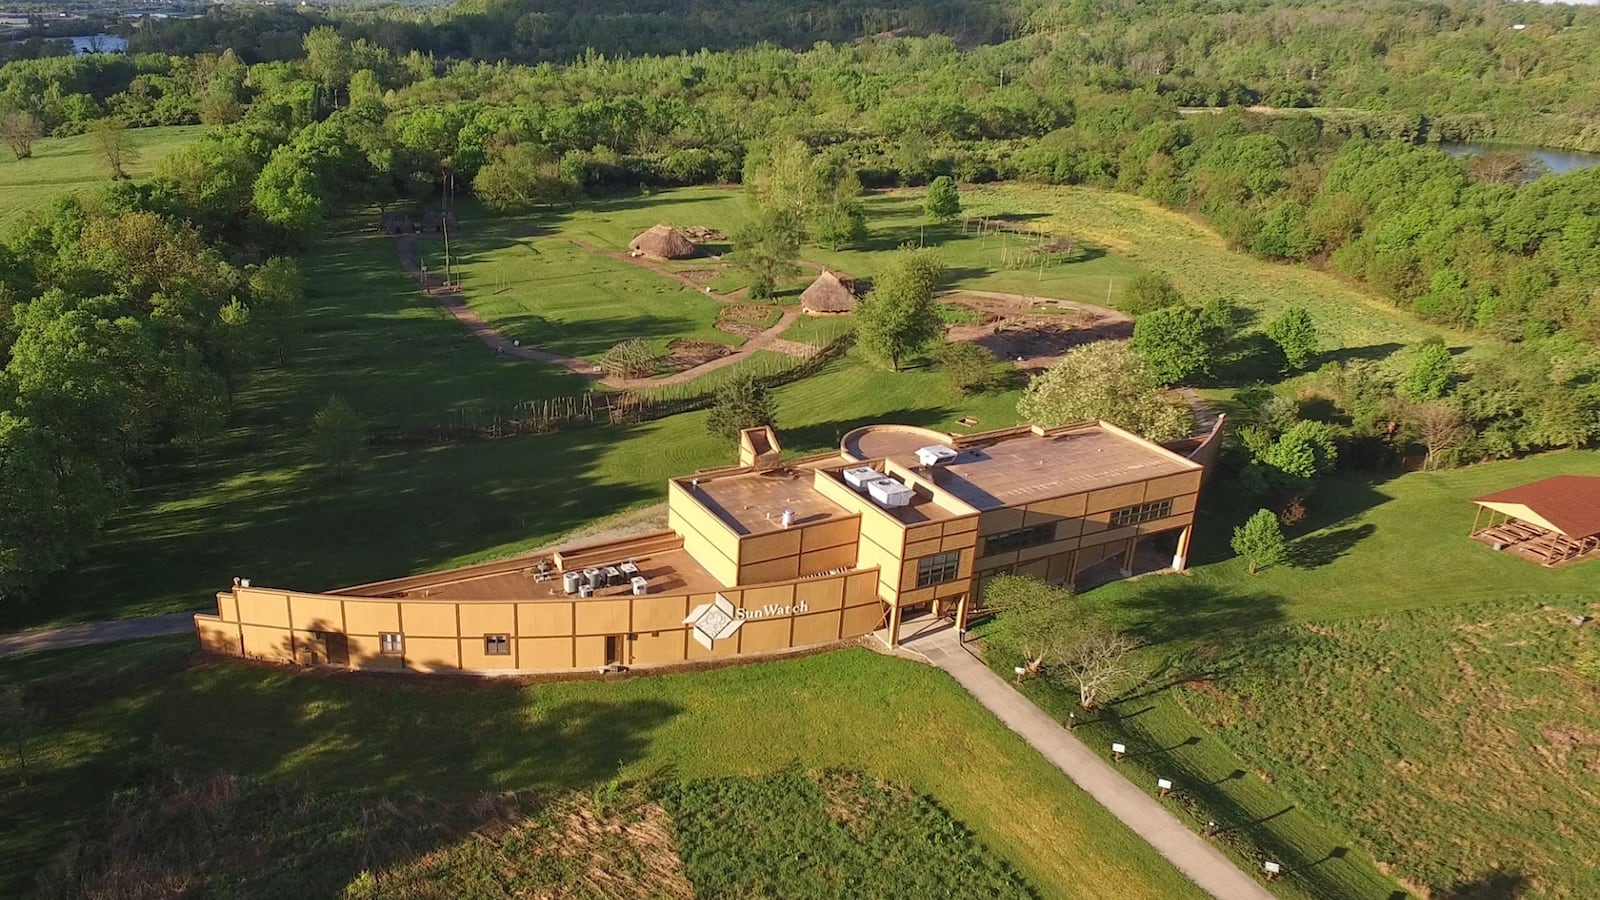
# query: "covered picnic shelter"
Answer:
x=1553 y=522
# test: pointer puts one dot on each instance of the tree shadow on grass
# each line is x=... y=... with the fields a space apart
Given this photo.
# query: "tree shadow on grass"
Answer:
x=1317 y=550
x=1178 y=611
x=1371 y=352
x=1492 y=885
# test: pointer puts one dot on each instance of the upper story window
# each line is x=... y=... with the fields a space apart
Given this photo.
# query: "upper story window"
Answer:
x=938 y=568
x=1144 y=512
x=497 y=645
x=1021 y=539
x=391 y=642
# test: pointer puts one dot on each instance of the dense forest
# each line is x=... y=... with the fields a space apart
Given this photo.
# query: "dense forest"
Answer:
x=130 y=317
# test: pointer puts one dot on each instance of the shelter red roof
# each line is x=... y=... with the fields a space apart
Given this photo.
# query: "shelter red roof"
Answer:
x=1569 y=502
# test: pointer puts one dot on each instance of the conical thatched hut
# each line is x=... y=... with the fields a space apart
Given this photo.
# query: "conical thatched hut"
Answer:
x=663 y=242
x=831 y=294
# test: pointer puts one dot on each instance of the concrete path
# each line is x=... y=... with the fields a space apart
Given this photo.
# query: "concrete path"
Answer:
x=1189 y=852
x=21 y=642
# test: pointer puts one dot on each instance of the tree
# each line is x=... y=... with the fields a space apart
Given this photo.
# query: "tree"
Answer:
x=17 y=719
x=111 y=142
x=1097 y=661
x=969 y=367
x=1105 y=380
x=1175 y=342
x=631 y=358
x=741 y=403
x=1260 y=540
x=520 y=177
x=1148 y=292
x=277 y=295
x=943 y=200
x=1432 y=372
x=1296 y=335
x=767 y=248
x=19 y=130
x=1441 y=427
x=898 y=318
x=289 y=194
x=327 y=60
x=1304 y=451
x=337 y=436
x=1032 y=618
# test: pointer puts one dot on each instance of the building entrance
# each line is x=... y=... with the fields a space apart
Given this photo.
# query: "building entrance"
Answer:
x=613 y=649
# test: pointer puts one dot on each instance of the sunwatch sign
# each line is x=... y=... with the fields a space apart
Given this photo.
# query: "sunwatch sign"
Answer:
x=720 y=619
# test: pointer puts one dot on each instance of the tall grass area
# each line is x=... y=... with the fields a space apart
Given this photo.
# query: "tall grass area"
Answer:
x=1294 y=706
x=65 y=165
x=122 y=716
x=1467 y=748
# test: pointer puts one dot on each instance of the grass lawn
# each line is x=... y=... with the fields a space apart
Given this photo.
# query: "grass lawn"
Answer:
x=1467 y=745
x=63 y=165
x=118 y=716
x=1327 y=654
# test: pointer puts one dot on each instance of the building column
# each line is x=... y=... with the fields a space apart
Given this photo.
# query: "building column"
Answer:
x=894 y=625
x=1128 y=554
x=961 y=611
x=1180 y=560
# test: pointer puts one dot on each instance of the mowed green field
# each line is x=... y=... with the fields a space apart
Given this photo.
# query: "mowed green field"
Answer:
x=1272 y=696
x=120 y=716
x=63 y=165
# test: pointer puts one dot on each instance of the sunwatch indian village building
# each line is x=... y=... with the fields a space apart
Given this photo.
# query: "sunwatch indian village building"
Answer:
x=763 y=557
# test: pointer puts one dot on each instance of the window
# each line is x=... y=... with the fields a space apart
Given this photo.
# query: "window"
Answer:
x=1144 y=512
x=1022 y=538
x=938 y=568
x=391 y=642
x=497 y=645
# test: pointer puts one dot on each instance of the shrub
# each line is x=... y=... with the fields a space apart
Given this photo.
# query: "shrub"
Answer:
x=1296 y=335
x=741 y=403
x=1175 y=343
x=969 y=367
x=1149 y=292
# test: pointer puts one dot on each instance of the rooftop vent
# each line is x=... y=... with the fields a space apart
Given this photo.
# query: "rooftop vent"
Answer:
x=888 y=493
x=935 y=455
x=860 y=476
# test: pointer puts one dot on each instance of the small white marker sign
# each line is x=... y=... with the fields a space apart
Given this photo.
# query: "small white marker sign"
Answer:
x=1119 y=748
x=1272 y=868
x=1164 y=783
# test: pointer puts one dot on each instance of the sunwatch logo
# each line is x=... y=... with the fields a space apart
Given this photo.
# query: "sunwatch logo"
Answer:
x=720 y=619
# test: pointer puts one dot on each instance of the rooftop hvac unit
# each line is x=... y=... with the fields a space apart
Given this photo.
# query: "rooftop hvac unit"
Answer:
x=859 y=477
x=570 y=581
x=935 y=455
x=889 y=493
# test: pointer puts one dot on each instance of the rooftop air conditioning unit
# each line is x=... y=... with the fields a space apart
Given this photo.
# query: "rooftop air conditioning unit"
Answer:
x=935 y=455
x=860 y=476
x=889 y=493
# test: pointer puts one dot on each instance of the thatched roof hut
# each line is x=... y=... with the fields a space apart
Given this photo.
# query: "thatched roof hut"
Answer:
x=663 y=242
x=831 y=294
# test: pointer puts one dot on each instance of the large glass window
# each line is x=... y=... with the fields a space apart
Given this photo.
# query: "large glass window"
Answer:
x=938 y=568
x=1144 y=512
x=1021 y=539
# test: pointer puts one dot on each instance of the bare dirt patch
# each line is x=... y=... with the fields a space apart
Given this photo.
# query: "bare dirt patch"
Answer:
x=1034 y=332
x=744 y=319
x=683 y=354
x=701 y=275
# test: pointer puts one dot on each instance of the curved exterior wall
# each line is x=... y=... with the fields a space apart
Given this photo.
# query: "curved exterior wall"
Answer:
x=543 y=635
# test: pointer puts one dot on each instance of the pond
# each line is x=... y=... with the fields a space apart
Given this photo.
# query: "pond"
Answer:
x=97 y=43
x=1557 y=161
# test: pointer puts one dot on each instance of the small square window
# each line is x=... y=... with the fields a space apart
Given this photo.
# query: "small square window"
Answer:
x=939 y=568
x=391 y=642
x=497 y=645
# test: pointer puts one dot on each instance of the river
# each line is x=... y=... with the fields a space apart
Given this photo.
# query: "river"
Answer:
x=1557 y=161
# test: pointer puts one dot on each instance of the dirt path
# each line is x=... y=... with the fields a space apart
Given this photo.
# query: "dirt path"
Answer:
x=1015 y=330
x=449 y=298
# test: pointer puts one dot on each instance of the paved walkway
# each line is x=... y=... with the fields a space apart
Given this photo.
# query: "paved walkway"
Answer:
x=95 y=633
x=1192 y=854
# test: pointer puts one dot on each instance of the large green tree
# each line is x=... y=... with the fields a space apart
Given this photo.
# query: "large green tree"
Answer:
x=1105 y=380
x=743 y=402
x=767 y=248
x=1175 y=342
x=898 y=318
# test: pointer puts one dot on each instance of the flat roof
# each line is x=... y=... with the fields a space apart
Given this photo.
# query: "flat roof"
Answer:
x=669 y=572
x=752 y=502
x=920 y=510
x=1020 y=468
